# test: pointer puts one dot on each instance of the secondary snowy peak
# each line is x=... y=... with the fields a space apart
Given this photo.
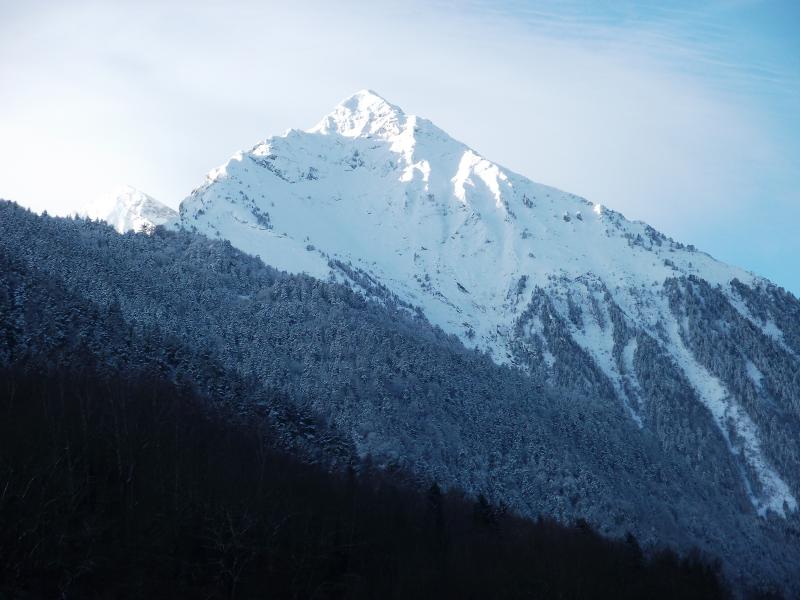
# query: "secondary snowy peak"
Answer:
x=128 y=209
x=535 y=276
x=362 y=114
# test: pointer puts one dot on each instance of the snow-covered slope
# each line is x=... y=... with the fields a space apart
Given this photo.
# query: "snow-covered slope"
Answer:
x=543 y=279
x=128 y=209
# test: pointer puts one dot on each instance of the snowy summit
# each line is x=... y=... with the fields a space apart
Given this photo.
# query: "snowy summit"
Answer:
x=128 y=209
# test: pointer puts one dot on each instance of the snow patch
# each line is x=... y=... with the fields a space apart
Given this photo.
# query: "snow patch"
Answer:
x=596 y=337
x=739 y=431
x=767 y=327
x=756 y=376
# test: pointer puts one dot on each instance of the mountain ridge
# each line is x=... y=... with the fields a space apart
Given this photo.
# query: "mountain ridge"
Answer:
x=129 y=209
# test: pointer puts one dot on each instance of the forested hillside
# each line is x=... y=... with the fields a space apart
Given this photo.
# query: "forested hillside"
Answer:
x=125 y=486
x=339 y=380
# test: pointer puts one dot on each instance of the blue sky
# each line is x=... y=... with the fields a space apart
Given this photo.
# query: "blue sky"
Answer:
x=685 y=114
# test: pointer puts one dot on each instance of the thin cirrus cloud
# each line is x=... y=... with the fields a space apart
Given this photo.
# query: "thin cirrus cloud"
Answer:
x=685 y=117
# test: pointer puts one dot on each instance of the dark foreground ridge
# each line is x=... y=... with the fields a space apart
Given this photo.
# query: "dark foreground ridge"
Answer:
x=129 y=487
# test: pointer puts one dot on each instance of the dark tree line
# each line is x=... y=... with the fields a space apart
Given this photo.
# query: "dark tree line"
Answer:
x=129 y=487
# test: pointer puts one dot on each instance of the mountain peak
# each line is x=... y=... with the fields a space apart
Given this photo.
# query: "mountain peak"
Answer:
x=373 y=196
x=363 y=114
x=367 y=97
x=130 y=209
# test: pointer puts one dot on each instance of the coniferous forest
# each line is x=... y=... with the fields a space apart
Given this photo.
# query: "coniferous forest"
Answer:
x=181 y=420
x=131 y=487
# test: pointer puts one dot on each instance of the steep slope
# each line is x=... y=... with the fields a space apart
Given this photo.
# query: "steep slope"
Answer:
x=128 y=209
x=570 y=291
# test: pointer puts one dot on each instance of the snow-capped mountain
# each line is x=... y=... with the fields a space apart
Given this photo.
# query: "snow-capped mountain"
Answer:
x=566 y=289
x=128 y=209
